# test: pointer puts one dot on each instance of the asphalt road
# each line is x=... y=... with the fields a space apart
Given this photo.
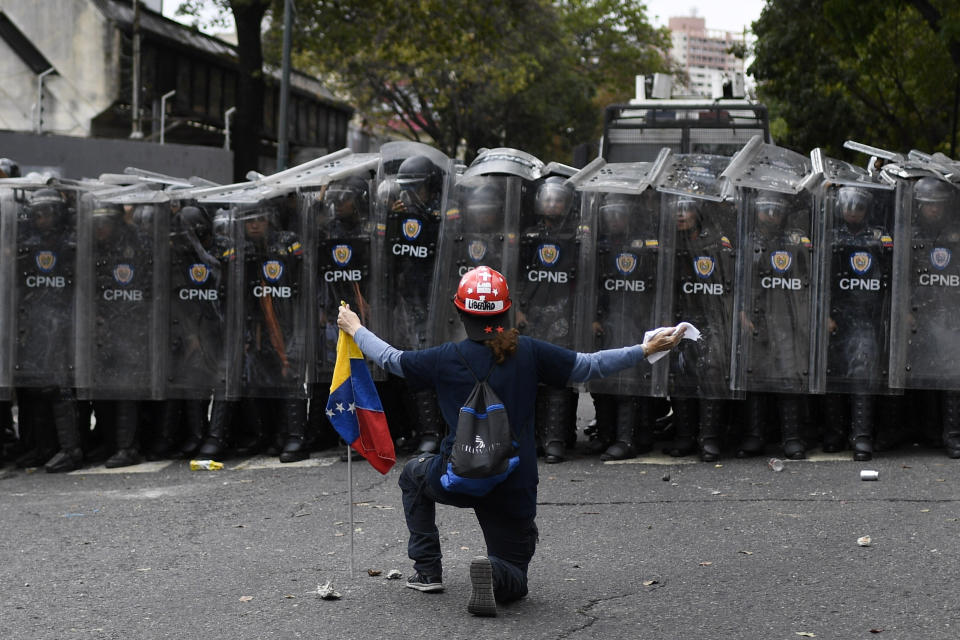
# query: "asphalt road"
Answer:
x=733 y=550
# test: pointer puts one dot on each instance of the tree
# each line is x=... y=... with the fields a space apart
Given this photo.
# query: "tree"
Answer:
x=248 y=16
x=465 y=75
x=885 y=72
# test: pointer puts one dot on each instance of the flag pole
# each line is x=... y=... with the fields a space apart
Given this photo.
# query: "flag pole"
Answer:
x=350 y=499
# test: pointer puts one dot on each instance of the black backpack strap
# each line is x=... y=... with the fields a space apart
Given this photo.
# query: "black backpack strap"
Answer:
x=485 y=378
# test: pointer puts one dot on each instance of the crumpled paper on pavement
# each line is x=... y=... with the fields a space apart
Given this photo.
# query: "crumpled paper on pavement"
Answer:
x=692 y=333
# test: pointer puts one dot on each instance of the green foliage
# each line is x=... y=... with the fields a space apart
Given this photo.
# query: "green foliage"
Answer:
x=883 y=72
x=464 y=74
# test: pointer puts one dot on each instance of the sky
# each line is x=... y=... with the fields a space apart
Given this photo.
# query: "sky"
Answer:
x=726 y=15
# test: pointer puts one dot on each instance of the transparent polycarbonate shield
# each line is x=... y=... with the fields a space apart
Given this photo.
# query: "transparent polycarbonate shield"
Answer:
x=768 y=167
x=775 y=293
x=925 y=329
x=341 y=224
x=696 y=175
x=480 y=229
x=43 y=286
x=122 y=267
x=506 y=161
x=200 y=261
x=856 y=220
x=268 y=299
x=544 y=292
x=622 y=260
x=702 y=282
x=8 y=231
x=413 y=186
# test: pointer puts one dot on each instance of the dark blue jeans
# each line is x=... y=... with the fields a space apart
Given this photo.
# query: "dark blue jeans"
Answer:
x=510 y=542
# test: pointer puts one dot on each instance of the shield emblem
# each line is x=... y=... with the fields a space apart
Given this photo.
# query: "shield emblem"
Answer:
x=45 y=260
x=704 y=266
x=342 y=254
x=626 y=263
x=861 y=261
x=940 y=257
x=272 y=270
x=549 y=254
x=411 y=228
x=781 y=260
x=199 y=273
x=123 y=273
x=476 y=250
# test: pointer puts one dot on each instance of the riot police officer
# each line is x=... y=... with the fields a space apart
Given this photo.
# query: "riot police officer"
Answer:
x=859 y=270
x=413 y=227
x=344 y=273
x=776 y=321
x=45 y=266
x=549 y=253
x=626 y=265
x=703 y=295
x=932 y=350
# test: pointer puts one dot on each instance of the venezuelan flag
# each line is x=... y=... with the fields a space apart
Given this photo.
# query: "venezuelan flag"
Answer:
x=354 y=407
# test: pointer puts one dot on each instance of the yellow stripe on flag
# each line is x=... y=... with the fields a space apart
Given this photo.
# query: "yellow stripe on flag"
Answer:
x=346 y=349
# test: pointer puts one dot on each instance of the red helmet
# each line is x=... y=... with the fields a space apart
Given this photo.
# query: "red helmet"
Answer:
x=482 y=292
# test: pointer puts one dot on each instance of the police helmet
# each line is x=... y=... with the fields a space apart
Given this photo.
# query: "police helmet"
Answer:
x=688 y=203
x=194 y=219
x=769 y=203
x=388 y=192
x=483 y=206
x=9 y=168
x=47 y=202
x=416 y=172
x=257 y=211
x=143 y=216
x=930 y=190
x=107 y=210
x=353 y=190
x=854 y=198
x=554 y=198
x=617 y=206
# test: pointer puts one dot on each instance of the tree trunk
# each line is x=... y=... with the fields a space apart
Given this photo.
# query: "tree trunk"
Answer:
x=247 y=124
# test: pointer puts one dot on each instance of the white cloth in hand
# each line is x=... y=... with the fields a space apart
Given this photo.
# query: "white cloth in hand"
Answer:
x=691 y=333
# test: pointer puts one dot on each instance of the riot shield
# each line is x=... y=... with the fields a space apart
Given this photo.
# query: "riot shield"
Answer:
x=8 y=234
x=544 y=291
x=854 y=311
x=199 y=266
x=505 y=161
x=622 y=259
x=776 y=293
x=122 y=266
x=480 y=228
x=413 y=186
x=267 y=300
x=926 y=290
x=341 y=223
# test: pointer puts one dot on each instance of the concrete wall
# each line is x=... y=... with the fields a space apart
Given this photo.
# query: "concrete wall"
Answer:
x=84 y=48
x=71 y=157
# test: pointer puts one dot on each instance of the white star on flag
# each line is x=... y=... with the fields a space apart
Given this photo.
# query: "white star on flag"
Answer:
x=352 y=407
x=340 y=407
x=329 y=413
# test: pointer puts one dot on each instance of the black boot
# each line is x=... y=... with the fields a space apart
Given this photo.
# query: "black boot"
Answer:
x=752 y=440
x=603 y=430
x=36 y=426
x=834 y=422
x=428 y=415
x=552 y=416
x=684 y=427
x=127 y=453
x=221 y=420
x=793 y=446
x=167 y=416
x=295 y=448
x=194 y=415
x=623 y=448
x=951 y=423
x=710 y=438
x=861 y=427
x=70 y=456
